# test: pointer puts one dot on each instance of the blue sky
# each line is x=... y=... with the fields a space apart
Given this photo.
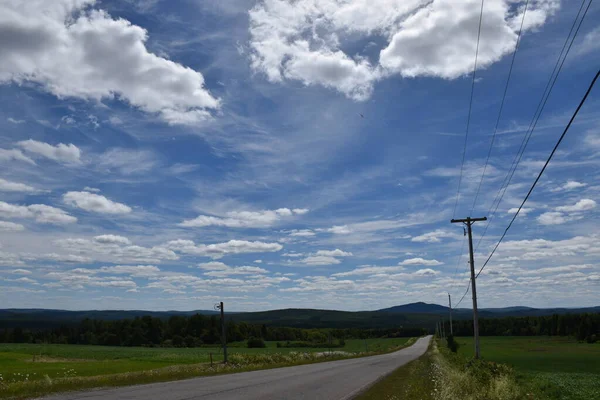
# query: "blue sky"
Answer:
x=168 y=155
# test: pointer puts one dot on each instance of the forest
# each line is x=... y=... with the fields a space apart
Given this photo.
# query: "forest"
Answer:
x=584 y=326
x=183 y=331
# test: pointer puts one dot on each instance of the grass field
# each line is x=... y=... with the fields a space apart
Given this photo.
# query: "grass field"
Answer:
x=25 y=364
x=551 y=367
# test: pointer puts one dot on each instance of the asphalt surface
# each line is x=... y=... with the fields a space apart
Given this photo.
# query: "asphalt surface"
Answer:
x=334 y=380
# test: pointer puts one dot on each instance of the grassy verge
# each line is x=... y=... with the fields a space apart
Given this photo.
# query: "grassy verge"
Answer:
x=32 y=384
x=411 y=381
x=459 y=377
x=548 y=368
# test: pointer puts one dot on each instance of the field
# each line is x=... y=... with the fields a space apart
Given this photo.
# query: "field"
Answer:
x=23 y=365
x=551 y=367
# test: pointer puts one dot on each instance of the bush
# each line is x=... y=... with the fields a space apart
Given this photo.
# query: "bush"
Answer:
x=591 y=339
x=452 y=344
x=256 y=343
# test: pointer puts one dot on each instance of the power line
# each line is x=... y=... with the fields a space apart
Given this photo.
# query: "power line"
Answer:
x=543 y=169
x=462 y=166
x=512 y=63
x=541 y=105
x=463 y=296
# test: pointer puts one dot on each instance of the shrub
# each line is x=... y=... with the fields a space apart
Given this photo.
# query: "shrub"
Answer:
x=452 y=344
x=256 y=343
x=591 y=339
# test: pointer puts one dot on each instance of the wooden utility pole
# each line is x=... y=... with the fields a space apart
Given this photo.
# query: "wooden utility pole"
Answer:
x=468 y=222
x=219 y=306
x=450 y=309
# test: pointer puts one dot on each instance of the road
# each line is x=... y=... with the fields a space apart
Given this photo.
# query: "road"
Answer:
x=334 y=380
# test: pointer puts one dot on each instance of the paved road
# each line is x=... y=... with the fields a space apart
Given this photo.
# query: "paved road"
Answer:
x=334 y=380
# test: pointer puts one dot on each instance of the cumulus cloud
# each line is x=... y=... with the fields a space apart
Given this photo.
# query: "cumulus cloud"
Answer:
x=302 y=233
x=426 y=272
x=73 y=50
x=320 y=260
x=334 y=253
x=115 y=250
x=63 y=153
x=6 y=226
x=433 y=237
x=370 y=270
x=569 y=185
x=420 y=261
x=340 y=229
x=219 y=269
x=581 y=205
x=242 y=219
x=552 y=218
x=565 y=214
x=112 y=239
x=15 y=155
x=137 y=271
x=39 y=212
x=8 y=186
x=523 y=212
x=218 y=250
x=95 y=203
x=306 y=40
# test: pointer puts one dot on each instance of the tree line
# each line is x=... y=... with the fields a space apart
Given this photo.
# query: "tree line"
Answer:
x=184 y=331
x=581 y=326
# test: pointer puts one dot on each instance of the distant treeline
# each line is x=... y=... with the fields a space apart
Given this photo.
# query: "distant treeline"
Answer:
x=183 y=331
x=580 y=326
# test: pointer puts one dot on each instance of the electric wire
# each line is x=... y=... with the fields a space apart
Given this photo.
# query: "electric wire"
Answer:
x=470 y=109
x=542 y=170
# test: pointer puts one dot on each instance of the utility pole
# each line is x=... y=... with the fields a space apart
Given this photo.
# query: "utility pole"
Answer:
x=450 y=309
x=219 y=306
x=468 y=222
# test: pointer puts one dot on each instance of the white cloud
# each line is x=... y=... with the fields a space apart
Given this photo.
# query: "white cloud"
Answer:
x=6 y=226
x=72 y=50
x=370 y=270
x=334 y=253
x=433 y=237
x=305 y=40
x=15 y=155
x=91 y=189
x=570 y=185
x=426 y=272
x=137 y=271
x=320 y=260
x=302 y=233
x=220 y=249
x=127 y=162
x=581 y=205
x=340 y=229
x=300 y=211
x=8 y=186
x=293 y=255
x=21 y=272
x=95 y=203
x=64 y=153
x=67 y=258
x=241 y=219
x=420 y=261
x=112 y=239
x=219 y=269
x=523 y=212
x=115 y=252
x=40 y=212
x=552 y=218
x=15 y=121
x=590 y=42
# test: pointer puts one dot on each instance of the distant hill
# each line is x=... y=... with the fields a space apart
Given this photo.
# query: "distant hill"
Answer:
x=414 y=315
x=417 y=308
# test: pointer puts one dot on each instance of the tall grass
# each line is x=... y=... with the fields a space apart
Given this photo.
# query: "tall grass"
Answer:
x=456 y=377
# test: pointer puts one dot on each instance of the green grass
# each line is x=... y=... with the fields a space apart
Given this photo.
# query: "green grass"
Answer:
x=548 y=367
x=412 y=381
x=24 y=368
